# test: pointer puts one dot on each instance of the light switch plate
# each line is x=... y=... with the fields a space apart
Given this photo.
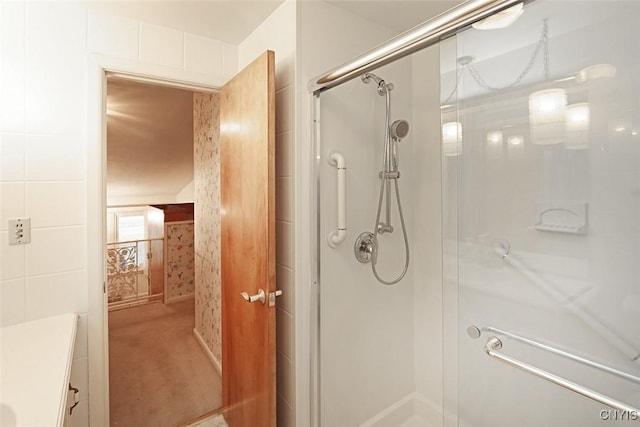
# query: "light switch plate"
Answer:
x=19 y=231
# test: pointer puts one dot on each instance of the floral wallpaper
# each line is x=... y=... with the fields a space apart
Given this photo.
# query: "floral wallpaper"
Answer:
x=180 y=260
x=206 y=132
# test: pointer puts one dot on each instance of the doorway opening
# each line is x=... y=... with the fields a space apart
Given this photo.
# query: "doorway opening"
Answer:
x=161 y=254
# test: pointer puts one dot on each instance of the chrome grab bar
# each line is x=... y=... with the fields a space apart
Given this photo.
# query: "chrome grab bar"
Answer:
x=494 y=344
x=565 y=354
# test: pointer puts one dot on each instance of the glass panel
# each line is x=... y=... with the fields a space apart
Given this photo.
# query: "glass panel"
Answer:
x=380 y=351
x=365 y=325
x=548 y=204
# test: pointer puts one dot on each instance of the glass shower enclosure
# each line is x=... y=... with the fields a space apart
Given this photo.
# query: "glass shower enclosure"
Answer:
x=519 y=181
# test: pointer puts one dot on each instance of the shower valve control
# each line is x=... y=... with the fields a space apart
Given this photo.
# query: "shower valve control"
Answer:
x=365 y=247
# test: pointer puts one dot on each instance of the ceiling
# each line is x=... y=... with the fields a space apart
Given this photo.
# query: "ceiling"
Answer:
x=228 y=20
x=233 y=20
x=149 y=142
x=397 y=15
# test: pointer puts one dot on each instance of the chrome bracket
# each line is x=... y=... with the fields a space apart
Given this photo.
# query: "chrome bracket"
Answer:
x=272 y=297
x=493 y=343
x=474 y=332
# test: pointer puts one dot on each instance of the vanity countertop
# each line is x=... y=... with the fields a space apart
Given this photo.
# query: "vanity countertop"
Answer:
x=35 y=364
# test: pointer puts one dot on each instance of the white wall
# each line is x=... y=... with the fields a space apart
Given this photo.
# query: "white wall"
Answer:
x=45 y=50
x=187 y=194
x=426 y=195
x=278 y=33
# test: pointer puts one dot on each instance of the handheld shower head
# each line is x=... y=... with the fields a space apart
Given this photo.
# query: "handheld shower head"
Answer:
x=399 y=129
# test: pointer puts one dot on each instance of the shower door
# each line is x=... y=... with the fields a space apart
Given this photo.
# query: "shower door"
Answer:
x=541 y=229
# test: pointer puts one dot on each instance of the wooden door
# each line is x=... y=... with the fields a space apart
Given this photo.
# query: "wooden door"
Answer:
x=247 y=141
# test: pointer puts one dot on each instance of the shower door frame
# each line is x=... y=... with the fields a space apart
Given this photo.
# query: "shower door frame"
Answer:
x=314 y=307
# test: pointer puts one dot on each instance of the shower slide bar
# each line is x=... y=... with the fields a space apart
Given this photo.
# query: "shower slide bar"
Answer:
x=494 y=344
x=337 y=237
x=413 y=40
x=473 y=331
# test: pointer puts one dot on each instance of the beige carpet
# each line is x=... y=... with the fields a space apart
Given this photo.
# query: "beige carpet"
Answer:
x=158 y=374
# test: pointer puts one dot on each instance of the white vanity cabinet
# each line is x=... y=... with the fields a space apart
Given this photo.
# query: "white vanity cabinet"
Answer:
x=35 y=365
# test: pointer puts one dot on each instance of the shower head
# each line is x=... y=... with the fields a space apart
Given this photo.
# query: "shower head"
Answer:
x=383 y=87
x=366 y=77
x=399 y=129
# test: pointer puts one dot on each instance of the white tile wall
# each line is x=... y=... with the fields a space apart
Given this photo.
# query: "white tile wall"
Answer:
x=11 y=155
x=203 y=55
x=80 y=377
x=49 y=295
x=277 y=33
x=286 y=413
x=55 y=204
x=11 y=259
x=80 y=417
x=286 y=383
x=54 y=250
x=286 y=283
x=113 y=35
x=285 y=327
x=285 y=109
x=161 y=45
x=11 y=202
x=12 y=301
x=52 y=157
x=284 y=247
x=80 y=348
x=55 y=92
x=284 y=154
x=284 y=204
x=12 y=70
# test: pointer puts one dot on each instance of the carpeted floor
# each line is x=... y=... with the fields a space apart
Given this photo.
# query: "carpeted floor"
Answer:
x=158 y=374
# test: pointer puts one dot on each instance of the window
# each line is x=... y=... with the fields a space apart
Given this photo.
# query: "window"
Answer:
x=130 y=227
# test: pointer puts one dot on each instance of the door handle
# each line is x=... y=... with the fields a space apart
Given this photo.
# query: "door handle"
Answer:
x=260 y=296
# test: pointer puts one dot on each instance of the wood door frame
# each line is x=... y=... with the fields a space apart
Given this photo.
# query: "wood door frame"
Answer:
x=97 y=321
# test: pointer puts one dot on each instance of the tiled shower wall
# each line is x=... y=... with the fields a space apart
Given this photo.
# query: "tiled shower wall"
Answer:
x=206 y=169
x=44 y=51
